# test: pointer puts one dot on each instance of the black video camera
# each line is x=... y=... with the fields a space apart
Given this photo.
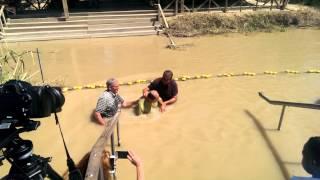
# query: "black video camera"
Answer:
x=20 y=101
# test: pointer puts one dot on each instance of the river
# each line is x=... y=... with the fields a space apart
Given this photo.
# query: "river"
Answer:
x=218 y=129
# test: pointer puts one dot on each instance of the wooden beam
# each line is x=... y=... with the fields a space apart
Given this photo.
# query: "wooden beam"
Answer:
x=170 y=4
x=94 y=164
x=200 y=6
x=65 y=9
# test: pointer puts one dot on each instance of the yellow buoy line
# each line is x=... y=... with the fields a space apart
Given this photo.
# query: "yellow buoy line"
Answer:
x=201 y=76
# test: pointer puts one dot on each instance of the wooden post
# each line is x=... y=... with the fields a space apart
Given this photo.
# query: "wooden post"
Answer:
x=256 y=5
x=284 y=4
x=209 y=5
x=182 y=6
x=176 y=7
x=226 y=6
x=271 y=5
x=192 y=5
x=65 y=9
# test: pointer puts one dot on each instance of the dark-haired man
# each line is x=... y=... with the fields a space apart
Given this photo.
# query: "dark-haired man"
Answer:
x=166 y=87
x=109 y=102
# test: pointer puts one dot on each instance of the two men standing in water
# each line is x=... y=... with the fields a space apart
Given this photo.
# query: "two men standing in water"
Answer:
x=163 y=90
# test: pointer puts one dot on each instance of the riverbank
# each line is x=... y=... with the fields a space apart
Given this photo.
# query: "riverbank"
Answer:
x=194 y=24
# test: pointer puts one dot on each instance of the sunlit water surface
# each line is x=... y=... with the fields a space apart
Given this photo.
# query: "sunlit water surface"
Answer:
x=219 y=128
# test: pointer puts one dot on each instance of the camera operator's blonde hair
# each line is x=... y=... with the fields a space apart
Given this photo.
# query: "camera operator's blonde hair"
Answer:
x=83 y=165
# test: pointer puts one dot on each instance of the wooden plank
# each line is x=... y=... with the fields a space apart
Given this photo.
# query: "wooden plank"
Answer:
x=188 y=9
x=217 y=5
x=169 y=4
x=96 y=153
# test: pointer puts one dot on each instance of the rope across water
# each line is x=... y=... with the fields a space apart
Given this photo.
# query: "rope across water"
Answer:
x=201 y=76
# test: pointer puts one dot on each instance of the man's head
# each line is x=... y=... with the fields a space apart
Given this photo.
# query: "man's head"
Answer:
x=112 y=85
x=166 y=77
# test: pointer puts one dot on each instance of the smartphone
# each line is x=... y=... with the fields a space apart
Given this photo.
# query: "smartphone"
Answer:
x=122 y=154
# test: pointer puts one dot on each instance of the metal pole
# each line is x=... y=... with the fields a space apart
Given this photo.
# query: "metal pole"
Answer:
x=40 y=65
x=281 y=117
x=118 y=133
x=113 y=154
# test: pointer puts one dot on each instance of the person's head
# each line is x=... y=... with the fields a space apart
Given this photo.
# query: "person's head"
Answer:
x=83 y=164
x=112 y=85
x=311 y=156
x=166 y=77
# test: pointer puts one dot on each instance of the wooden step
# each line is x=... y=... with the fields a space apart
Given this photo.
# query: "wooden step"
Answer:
x=45 y=28
x=80 y=36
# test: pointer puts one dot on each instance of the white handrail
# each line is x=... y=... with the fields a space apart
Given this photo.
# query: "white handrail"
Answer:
x=162 y=16
x=2 y=19
x=160 y=12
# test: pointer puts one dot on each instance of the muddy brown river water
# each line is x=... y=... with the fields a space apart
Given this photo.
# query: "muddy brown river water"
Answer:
x=218 y=129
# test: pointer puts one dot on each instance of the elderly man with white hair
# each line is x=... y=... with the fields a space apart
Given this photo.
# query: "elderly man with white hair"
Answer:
x=109 y=102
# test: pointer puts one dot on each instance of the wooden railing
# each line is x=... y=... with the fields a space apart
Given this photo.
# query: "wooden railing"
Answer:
x=212 y=5
x=3 y=21
x=94 y=169
x=284 y=104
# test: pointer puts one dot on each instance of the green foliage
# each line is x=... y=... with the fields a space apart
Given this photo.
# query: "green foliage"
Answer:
x=12 y=66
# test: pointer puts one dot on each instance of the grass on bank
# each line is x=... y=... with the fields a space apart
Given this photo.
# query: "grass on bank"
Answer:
x=194 y=24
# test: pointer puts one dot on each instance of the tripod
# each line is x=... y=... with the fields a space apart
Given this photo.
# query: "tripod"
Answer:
x=26 y=165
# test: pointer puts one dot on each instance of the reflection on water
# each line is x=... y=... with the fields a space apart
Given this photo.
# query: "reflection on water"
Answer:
x=210 y=133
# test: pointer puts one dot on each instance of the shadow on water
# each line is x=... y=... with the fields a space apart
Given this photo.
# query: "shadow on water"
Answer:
x=274 y=152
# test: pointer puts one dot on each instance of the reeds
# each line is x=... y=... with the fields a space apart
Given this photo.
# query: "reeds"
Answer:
x=216 y=23
x=12 y=66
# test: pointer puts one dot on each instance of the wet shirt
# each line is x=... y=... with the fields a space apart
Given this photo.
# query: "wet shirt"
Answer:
x=108 y=104
x=166 y=92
